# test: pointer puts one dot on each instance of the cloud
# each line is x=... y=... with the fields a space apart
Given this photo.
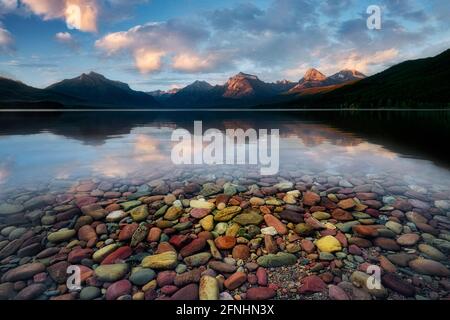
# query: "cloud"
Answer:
x=151 y=43
x=148 y=60
x=6 y=41
x=67 y=39
x=7 y=6
x=78 y=14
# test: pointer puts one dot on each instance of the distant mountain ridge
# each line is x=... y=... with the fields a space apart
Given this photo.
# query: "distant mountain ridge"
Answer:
x=97 y=89
x=416 y=83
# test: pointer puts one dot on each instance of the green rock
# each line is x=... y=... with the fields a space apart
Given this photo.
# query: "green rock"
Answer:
x=229 y=189
x=277 y=260
x=248 y=218
x=111 y=272
x=161 y=211
x=361 y=279
x=90 y=293
x=198 y=259
x=142 y=276
x=320 y=215
x=182 y=226
x=210 y=189
x=7 y=208
x=303 y=229
x=394 y=226
x=61 y=235
x=361 y=215
x=130 y=205
x=139 y=213
x=220 y=228
x=347 y=226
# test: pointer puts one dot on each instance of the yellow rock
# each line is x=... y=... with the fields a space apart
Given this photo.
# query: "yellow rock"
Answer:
x=233 y=230
x=328 y=244
x=207 y=223
x=201 y=204
x=151 y=285
x=227 y=214
x=101 y=254
x=139 y=213
x=165 y=260
x=138 y=296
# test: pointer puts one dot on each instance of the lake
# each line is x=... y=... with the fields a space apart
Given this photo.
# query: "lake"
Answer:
x=353 y=190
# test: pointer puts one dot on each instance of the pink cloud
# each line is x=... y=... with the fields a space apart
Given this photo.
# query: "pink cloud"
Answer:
x=78 y=14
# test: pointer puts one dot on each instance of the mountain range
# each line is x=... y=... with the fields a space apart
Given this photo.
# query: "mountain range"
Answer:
x=415 y=83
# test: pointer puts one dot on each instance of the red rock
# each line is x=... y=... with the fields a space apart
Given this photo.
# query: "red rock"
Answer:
x=127 y=231
x=346 y=203
x=31 y=292
x=120 y=254
x=179 y=240
x=270 y=245
x=360 y=242
x=308 y=246
x=342 y=239
x=165 y=278
x=169 y=290
x=64 y=297
x=154 y=234
x=206 y=235
x=225 y=242
x=373 y=212
x=310 y=198
x=101 y=229
x=192 y=276
x=76 y=255
x=402 y=205
x=189 y=292
x=393 y=282
x=336 y=293
x=262 y=276
x=86 y=187
x=118 y=289
x=199 y=213
x=341 y=215
x=23 y=272
x=311 y=284
x=313 y=222
x=164 y=247
x=241 y=251
x=386 y=265
x=85 y=201
x=408 y=239
x=272 y=221
x=386 y=244
x=235 y=280
x=252 y=279
x=375 y=204
x=365 y=231
x=195 y=246
x=260 y=293
x=58 y=271
x=355 y=250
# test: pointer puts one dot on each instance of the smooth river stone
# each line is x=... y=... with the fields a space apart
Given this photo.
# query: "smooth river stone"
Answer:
x=165 y=260
x=61 y=235
x=432 y=252
x=272 y=221
x=248 y=218
x=209 y=288
x=277 y=260
x=111 y=272
x=23 y=272
x=429 y=267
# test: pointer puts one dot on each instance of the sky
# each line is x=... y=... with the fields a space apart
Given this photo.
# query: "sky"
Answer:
x=165 y=44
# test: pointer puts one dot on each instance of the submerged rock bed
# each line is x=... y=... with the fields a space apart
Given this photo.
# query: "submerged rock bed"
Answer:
x=191 y=234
